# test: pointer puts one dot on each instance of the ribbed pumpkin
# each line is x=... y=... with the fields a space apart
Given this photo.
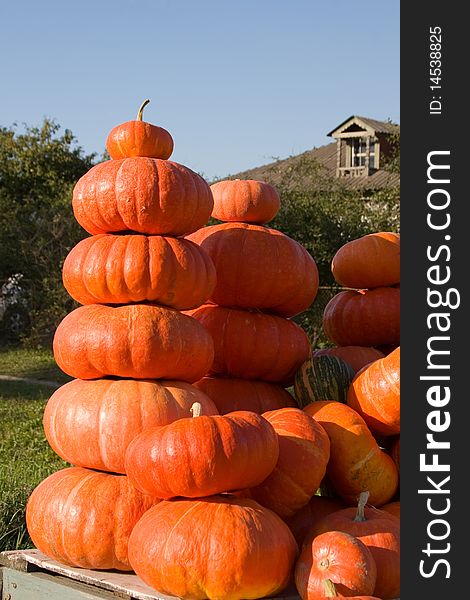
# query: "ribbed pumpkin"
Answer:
x=258 y=267
x=380 y=532
x=302 y=523
x=143 y=195
x=368 y=262
x=83 y=518
x=139 y=138
x=356 y=461
x=245 y=200
x=91 y=423
x=363 y=318
x=304 y=450
x=216 y=548
x=375 y=394
x=392 y=508
x=322 y=378
x=230 y=395
x=139 y=341
x=120 y=269
x=252 y=345
x=356 y=356
x=339 y=557
x=202 y=456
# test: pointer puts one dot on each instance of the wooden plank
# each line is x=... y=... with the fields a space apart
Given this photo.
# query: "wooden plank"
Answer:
x=18 y=585
x=122 y=585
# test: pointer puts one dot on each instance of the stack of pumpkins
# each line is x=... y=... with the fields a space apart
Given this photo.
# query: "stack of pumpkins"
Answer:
x=263 y=278
x=370 y=316
x=132 y=352
x=353 y=391
x=161 y=483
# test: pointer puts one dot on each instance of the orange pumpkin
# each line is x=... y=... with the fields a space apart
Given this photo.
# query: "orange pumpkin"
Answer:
x=356 y=461
x=138 y=138
x=304 y=450
x=202 y=456
x=339 y=557
x=119 y=269
x=91 y=423
x=144 y=195
x=258 y=267
x=364 y=317
x=380 y=532
x=302 y=523
x=230 y=395
x=356 y=356
x=252 y=345
x=84 y=518
x=244 y=200
x=139 y=341
x=368 y=262
x=217 y=547
x=375 y=394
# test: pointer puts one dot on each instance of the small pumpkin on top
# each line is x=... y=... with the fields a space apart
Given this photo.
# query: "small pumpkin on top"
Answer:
x=245 y=200
x=139 y=138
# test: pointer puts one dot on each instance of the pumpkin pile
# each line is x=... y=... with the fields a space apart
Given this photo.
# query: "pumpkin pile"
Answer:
x=263 y=278
x=353 y=391
x=131 y=350
x=192 y=464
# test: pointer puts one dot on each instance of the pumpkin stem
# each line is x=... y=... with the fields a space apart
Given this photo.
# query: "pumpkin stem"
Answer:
x=363 y=497
x=140 y=114
x=196 y=409
x=330 y=589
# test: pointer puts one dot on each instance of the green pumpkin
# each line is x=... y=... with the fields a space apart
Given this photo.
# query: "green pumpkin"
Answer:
x=322 y=378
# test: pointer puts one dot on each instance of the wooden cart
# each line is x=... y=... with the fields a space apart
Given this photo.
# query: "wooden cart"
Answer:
x=30 y=575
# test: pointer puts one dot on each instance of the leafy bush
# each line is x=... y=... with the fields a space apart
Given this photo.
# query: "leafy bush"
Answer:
x=38 y=169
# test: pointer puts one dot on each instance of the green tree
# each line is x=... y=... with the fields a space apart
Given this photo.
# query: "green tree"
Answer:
x=38 y=168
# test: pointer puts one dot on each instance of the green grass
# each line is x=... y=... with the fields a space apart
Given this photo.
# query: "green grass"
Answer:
x=32 y=364
x=25 y=456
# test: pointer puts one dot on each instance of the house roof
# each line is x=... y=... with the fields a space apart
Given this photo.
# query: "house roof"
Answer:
x=326 y=156
x=377 y=126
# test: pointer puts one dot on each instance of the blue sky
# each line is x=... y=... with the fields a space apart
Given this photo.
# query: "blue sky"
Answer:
x=236 y=83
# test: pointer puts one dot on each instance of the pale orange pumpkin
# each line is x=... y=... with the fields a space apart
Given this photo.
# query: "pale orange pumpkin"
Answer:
x=120 y=269
x=140 y=341
x=218 y=547
x=84 y=518
x=259 y=268
x=245 y=200
x=91 y=423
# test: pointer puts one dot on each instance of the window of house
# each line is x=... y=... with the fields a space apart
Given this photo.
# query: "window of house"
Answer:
x=359 y=153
